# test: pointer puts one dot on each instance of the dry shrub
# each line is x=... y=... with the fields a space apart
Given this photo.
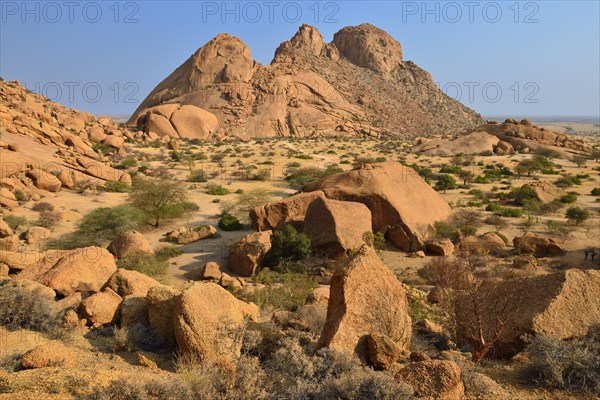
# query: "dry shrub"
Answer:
x=136 y=389
x=43 y=206
x=48 y=219
x=244 y=379
x=568 y=365
x=328 y=375
x=26 y=309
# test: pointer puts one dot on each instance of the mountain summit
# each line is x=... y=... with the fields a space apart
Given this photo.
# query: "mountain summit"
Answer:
x=357 y=84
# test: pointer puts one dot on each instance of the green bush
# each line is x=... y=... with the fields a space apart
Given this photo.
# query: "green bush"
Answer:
x=167 y=252
x=129 y=162
x=509 y=212
x=15 y=221
x=577 y=214
x=116 y=187
x=217 y=190
x=100 y=226
x=596 y=192
x=568 y=198
x=143 y=262
x=176 y=156
x=197 y=175
x=229 y=222
x=568 y=181
x=287 y=244
x=450 y=169
x=520 y=195
x=262 y=175
x=102 y=148
x=291 y=295
x=298 y=177
x=444 y=182
x=160 y=199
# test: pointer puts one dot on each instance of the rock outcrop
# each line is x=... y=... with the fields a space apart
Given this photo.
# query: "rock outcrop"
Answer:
x=247 y=254
x=206 y=318
x=310 y=88
x=161 y=303
x=336 y=227
x=546 y=192
x=366 y=298
x=52 y=147
x=402 y=204
x=536 y=305
x=289 y=210
x=538 y=245
x=101 y=308
x=51 y=354
x=129 y=243
x=524 y=136
x=127 y=283
x=437 y=379
x=69 y=271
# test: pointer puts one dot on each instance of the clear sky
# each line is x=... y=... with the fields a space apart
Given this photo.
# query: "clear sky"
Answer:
x=499 y=58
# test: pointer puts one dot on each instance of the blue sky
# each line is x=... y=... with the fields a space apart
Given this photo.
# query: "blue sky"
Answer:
x=499 y=58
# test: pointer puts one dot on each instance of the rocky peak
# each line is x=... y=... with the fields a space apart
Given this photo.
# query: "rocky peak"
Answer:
x=369 y=47
x=225 y=59
x=307 y=42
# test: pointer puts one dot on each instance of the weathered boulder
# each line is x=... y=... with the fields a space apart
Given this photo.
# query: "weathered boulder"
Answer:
x=5 y=230
x=289 y=210
x=210 y=271
x=400 y=201
x=193 y=122
x=246 y=255
x=470 y=143
x=126 y=283
x=383 y=351
x=36 y=234
x=160 y=125
x=134 y=311
x=436 y=379
x=44 y=180
x=484 y=244
x=336 y=227
x=525 y=262
x=161 y=303
x=51 y=354
x=10 y=244
x=114 y=141
x=442 y=247
x=101 y=308
x=546 y=192
x=538 y=245
x=562 y=305
x=193 y=235
x=360 y=306
x=68 y=271
x=129 y=243
x=206 y=320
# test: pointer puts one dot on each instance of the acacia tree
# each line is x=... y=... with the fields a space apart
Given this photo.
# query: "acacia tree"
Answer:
x=159 y=199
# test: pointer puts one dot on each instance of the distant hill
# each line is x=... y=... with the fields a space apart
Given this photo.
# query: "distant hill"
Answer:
x=357 y=84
